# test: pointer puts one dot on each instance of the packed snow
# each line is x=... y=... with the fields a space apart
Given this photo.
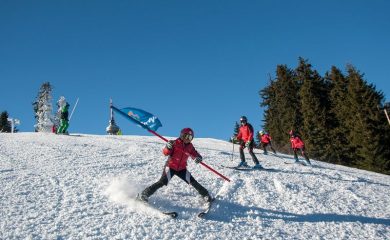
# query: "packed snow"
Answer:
x=83 y=187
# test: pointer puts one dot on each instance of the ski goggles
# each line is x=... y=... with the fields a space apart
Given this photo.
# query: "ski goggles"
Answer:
x=187 y=136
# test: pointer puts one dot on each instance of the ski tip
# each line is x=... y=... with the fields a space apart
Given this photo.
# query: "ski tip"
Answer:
x=171 y=214
x=201 y=215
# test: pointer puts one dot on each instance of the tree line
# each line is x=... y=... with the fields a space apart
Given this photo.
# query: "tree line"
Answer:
x=338 y=115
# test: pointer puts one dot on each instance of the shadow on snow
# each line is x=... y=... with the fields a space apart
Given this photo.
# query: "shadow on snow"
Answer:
x=227 y=211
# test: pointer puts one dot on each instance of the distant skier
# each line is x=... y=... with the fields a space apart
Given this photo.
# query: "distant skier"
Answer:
x=245 y=137
x=265 y=140
x=64 y=112
x=54 y=129
x=178 y=151
x=298 y=144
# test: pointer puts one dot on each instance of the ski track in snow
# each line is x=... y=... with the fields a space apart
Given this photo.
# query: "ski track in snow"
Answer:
x=83 y=187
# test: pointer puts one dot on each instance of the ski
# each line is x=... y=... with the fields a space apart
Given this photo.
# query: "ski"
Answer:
x=171 y=214
x=300 y=163
x=167 y=213
x=276 y=155
x=243 y=169
x=207 y=209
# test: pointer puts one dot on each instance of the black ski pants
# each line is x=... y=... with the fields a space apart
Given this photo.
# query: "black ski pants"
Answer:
x=250 y=150
x=303 y=153
x=264 y=146
x=166 y=177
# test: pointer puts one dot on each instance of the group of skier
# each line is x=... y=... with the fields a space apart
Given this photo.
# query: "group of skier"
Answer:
x=245 y=137
x=180 y=149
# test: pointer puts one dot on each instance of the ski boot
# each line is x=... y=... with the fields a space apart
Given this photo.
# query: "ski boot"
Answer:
x=142 y=198
x=307 y=162
x=257 y=166
x=242 y=164
x=209 y=199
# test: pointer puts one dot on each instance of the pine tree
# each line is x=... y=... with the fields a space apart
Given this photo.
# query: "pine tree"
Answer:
x=314 y=108
x=340 y=151
x=5 y=126
x=235 y=131
x=282 y=113
x=258 y=139
x=43 y=109
x=369 y=133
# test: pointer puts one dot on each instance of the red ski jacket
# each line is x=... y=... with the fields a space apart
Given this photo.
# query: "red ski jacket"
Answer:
x=179 y=154
x=245 y=133
x=296 y=142
x=266 y=138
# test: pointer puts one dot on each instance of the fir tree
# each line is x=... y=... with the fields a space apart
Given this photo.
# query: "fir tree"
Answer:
x=258 y=139
x=340 y=151
x=282 y=113
x=5 y=125
x=235 y=132
x=43 y=109
x=314 y=107
x=369 y=135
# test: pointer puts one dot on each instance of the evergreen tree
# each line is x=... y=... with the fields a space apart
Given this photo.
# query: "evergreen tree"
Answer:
x=314 y=108
x=340 y=151
x=369 y=133
x=43 y=109
x=282 y=112
x=258 y=139
x=235 y=132
x=5 y=125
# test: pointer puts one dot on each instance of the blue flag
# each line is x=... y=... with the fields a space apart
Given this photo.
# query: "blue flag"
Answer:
x=147 y=119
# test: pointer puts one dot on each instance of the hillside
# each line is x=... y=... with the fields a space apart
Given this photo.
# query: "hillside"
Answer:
x=81 y=187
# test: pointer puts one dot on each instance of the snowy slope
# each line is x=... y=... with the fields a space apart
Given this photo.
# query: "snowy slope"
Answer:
x=81 y=187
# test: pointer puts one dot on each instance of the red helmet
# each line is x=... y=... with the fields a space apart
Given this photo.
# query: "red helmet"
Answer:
x=187 y=133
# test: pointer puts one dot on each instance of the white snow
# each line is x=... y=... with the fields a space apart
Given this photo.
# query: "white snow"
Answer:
x=82 y=187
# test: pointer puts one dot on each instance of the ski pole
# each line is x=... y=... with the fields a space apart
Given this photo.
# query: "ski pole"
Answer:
x=73 y=109
x=232 y=150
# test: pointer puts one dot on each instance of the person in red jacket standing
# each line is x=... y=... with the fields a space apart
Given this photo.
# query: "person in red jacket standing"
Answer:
x=178 y=152
x=265 y=140
x=298 y=144
x=245 y=137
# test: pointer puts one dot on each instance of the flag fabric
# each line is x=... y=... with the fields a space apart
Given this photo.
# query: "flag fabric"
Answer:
x=146 y=118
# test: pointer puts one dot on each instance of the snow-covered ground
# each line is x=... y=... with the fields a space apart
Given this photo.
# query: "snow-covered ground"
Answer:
x=82 y=186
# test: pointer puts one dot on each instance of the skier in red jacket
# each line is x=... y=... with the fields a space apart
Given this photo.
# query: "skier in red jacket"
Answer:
x=265 y=140
x=298 y=144
x=245 y=136
x=179 y=151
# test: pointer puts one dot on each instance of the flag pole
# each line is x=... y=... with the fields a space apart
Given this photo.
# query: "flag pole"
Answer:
x=164 y=139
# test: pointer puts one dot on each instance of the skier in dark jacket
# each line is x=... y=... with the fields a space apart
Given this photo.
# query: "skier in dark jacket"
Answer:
x=179 y=151
x=245 y=137
x=298 y=144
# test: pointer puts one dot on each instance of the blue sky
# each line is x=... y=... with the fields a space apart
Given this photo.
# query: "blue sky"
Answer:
x=197 y=64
